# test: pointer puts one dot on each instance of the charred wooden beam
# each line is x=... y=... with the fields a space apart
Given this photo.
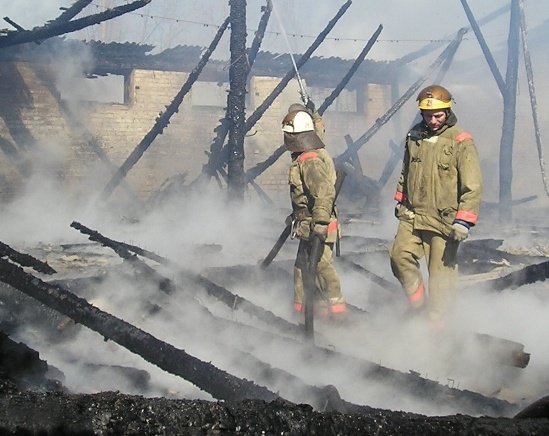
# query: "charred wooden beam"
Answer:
x=371 y=372
x=378 y=280
x=13 y=23
x=509 y=115
x=524 y=276
x=392 y=162
x=220 y=384
x=412 y=56
x=164 y=118
x=70 y=12
x=293 y=388
x=484 y=47
x=475 y=250
x=24 y=367
x=413 y=383
x=139 y=378
x=260 y=110
x=500 y=350
x=223 y=295
x=259 y=190
x=506 y=352
x=260 y=33
x=508 y=89
x=210 y=169
x=259 y=168
x=538 y=409
x=358 y=61
x=450 y=49
x=25 y=259
x=81 y=130
x=354 y=160
x=532 y=92
x=48 y=31
x=396 y=150
x=236 y=101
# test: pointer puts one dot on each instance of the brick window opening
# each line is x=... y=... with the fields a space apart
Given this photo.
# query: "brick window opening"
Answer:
x=210 y=94
x=345 y=102
x=97 y=89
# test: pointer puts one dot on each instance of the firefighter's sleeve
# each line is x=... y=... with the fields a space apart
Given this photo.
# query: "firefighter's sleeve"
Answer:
x=316 y=178
x=401 y=192
x=469 y=183
x=320 y=126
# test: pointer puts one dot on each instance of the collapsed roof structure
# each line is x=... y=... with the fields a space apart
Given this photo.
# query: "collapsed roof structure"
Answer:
x=167 y=293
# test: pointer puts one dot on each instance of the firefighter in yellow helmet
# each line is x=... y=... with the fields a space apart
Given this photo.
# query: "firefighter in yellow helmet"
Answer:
x=312 y=178
x=438 y=199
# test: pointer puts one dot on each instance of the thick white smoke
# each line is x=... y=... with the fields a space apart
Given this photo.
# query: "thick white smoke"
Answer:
x=203 y=231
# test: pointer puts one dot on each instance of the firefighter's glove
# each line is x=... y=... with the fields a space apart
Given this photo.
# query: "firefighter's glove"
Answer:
x=401 y=211
x=319 y=230
x=460 y=230
x=310 y=106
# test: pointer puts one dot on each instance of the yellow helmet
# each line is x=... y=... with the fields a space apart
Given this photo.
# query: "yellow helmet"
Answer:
x=434 y=97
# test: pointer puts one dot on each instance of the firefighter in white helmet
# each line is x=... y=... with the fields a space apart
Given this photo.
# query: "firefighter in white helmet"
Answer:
x=438 y=199
x=312 y=178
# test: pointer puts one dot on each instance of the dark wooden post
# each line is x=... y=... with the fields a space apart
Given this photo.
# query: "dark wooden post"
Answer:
x=532 y=91
x=238 y=74
x=509 y=112
x=484 y=47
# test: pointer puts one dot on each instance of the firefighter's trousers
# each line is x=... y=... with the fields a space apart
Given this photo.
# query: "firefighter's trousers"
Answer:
x=327 y=279
x=440 y=253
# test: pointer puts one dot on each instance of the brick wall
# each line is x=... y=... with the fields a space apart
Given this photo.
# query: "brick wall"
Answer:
x=34 y=117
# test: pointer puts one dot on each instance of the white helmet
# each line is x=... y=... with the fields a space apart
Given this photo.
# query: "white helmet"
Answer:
x=297 y=122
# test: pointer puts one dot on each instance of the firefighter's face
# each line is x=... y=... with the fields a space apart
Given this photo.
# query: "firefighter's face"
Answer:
x=435 y=119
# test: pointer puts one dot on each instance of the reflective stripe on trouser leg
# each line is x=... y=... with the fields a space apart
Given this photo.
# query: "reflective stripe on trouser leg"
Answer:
x=405 y=253
x=443 y=274
x=417 y=298
x=327 y=279
x=299 y=267
x=298 y=289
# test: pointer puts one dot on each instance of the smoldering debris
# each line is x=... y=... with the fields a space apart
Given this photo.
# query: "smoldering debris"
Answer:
x=326 y=398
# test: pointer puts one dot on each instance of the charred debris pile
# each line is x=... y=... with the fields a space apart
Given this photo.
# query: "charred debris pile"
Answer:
x=241 y=385
x=264 y=398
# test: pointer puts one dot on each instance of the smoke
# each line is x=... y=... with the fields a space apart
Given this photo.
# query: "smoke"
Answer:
x=203 y=232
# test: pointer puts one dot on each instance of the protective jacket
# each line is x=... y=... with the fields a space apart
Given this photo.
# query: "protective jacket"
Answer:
x=440 y=179
x=312 y=178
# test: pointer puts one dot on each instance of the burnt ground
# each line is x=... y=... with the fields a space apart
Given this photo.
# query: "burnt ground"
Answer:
x=28 y=412
x=35 y=400
x=33 y=404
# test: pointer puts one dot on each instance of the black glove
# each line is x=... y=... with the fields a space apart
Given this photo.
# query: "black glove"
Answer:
x=310 y=106
x=319 y=230
x=289 y=219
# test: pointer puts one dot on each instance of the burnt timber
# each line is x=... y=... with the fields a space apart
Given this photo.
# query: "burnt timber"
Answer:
x=62 y=27
x=205 y=374
x=163 y=120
